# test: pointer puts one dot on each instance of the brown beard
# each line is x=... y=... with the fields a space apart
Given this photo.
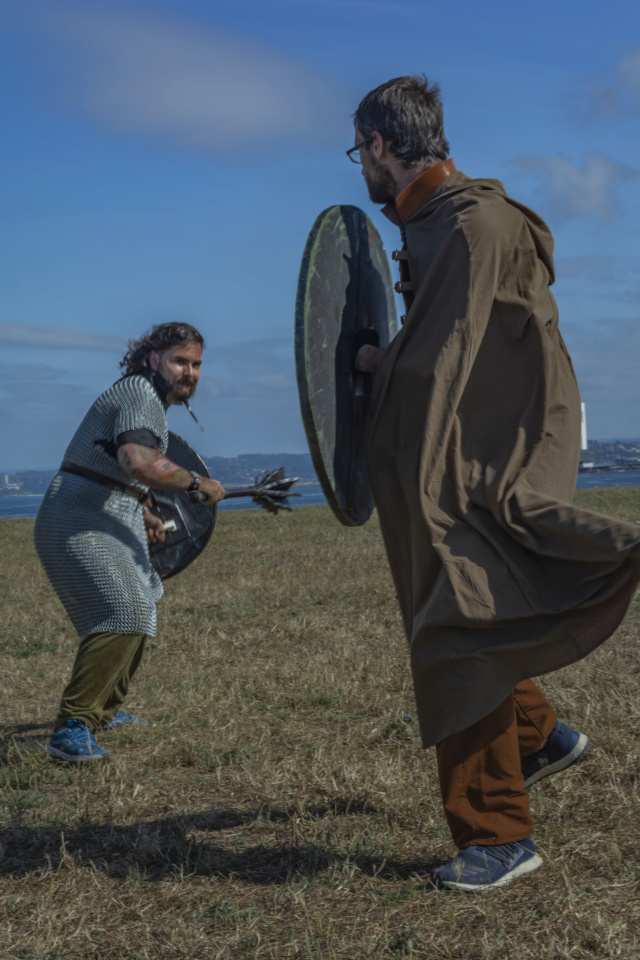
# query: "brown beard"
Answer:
x=380 y=184
x=182 y=389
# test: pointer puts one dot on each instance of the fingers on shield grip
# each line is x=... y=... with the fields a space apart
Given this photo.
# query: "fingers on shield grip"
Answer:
x=366 y=335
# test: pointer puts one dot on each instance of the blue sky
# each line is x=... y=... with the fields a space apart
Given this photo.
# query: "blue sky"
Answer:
x=165 y=160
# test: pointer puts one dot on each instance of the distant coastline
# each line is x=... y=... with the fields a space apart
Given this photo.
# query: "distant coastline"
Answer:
x=610 y=468
x=26 y=506
x=602 y=458
x=230 y=486
x=236 y=485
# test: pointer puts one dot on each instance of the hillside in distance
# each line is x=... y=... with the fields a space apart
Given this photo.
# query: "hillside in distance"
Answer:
x=230 y=471
x=242 y=470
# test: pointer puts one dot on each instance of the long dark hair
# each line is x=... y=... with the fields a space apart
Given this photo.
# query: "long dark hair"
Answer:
x=160 y=337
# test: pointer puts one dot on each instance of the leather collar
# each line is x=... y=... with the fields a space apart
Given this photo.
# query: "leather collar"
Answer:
x=418 y=192
x=158 y=382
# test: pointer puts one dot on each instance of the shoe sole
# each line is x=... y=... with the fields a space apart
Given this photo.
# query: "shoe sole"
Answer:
x=529 y=866
x=568 y=760
x=60 y=755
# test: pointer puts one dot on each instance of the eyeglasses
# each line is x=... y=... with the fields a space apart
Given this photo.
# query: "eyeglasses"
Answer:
x=354 y=152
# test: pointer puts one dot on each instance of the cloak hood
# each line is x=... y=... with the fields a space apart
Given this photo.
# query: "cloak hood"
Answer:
x=420 y=201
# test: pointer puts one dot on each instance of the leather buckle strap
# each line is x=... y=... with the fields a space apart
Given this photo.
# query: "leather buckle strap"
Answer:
x=68 y=467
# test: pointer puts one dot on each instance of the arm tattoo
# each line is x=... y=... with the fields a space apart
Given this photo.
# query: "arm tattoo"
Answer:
x=152 y=468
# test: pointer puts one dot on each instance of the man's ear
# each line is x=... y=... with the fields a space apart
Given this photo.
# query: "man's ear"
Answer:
x=154 y=360
x=377 y=144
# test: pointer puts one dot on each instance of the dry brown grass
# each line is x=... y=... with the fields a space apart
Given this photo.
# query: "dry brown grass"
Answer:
x=279 y=803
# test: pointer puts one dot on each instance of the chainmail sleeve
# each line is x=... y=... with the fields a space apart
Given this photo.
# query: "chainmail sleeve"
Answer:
x=140 y=408
x=130 y=404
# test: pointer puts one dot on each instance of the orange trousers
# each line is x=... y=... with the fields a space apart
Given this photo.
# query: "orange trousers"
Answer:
x=480 y=777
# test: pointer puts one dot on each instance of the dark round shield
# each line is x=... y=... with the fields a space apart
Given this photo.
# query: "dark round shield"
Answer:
x=190 y=524
x=345 y=296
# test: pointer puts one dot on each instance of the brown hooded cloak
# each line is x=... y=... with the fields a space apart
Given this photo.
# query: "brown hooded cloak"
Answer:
x=473 y=459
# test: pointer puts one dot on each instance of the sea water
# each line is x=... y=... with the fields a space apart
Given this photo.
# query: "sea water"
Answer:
x=311 y=495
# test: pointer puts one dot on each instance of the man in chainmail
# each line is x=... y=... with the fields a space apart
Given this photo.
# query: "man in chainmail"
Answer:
x=94 y=526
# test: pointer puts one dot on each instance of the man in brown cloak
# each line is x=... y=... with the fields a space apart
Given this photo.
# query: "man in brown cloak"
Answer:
x=473 y=458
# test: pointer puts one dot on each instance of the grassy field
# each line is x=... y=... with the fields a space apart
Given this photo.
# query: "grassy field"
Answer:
x=279 y=804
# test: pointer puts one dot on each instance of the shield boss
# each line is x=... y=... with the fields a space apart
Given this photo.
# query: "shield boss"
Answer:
x=344 y=286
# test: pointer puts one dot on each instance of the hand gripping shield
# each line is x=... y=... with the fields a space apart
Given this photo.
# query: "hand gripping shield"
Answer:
x=188 y=525
x=345 y=298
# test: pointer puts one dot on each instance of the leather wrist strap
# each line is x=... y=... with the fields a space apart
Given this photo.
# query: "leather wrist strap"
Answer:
x=195 y=482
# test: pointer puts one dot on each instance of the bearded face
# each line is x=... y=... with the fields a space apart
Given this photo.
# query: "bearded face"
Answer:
x=182 y=388
x=378 y=177
x=180 y=367
x=379 y=180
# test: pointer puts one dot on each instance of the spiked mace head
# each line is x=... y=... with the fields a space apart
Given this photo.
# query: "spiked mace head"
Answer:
x=271 y=491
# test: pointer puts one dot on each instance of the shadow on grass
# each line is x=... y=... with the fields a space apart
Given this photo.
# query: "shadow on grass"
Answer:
x=25 y=737
x=10 y=730
x=162 y=849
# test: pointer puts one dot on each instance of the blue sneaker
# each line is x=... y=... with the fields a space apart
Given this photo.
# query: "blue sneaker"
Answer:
x=122 y=719
x=485 y=868
x=563 y=746
x=75 y=742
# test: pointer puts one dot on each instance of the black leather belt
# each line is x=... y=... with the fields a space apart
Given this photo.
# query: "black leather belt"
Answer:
x=67 y=467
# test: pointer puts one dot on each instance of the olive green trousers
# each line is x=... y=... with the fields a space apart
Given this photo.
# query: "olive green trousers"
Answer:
x=102 y=671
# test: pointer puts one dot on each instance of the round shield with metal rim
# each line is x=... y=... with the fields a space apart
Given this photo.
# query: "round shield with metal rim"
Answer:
x=345 y=298
x=188 y=525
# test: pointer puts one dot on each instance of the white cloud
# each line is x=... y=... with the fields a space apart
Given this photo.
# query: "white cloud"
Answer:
x=37 y=423
x=570 y=190
x=606 y=362
x=619 y=96
x=41 y=335
x=252 y=367
x=594 y=267
x=30 y=373
x=247 y=399
x=363 y=7
x=599 y=276
x=193 y=86
x=629 y=73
